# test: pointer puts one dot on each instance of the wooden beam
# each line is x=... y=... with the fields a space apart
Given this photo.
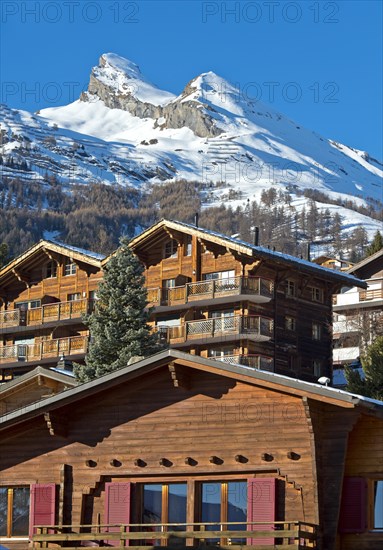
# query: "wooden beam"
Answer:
x=56 y=425
x=20 y=278
x=179 y=376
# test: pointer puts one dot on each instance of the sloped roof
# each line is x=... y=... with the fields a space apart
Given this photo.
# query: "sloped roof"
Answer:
x=18 y=382
x=79 y=254
x=364 y=263
x=249 y=375
x=248 y=249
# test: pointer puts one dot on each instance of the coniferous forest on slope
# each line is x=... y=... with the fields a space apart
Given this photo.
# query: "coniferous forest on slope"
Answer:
x=94 y=216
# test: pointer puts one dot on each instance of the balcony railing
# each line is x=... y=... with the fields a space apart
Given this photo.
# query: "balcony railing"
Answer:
x=251 y=325
x=45 y=349
x=261 y=362
x=57 y=311
x=277 y=535
x=214 y=288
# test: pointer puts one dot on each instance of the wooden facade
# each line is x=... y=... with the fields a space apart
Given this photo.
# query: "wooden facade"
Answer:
x=179 y=439
x=44 y=294
x=219 y=297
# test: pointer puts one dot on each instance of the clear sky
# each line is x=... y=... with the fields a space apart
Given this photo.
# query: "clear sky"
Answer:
x=319 y=62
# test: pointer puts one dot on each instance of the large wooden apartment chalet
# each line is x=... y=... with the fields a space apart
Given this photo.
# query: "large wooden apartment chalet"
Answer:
x=44 y=294
x=211 y=295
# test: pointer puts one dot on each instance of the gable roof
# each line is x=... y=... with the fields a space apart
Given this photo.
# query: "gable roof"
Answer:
x=151 y=234
x=43 y=247
x=249 y=375
x=366 y=262
x=36 y=373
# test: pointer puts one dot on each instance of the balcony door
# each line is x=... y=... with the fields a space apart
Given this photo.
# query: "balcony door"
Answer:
x=224 y=320
x=164 y=503
x=221 y=503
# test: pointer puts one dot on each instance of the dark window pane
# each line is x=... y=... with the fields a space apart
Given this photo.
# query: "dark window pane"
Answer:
x=3 y=511
x=20 y=512
x=237 y=507
x=211 y=507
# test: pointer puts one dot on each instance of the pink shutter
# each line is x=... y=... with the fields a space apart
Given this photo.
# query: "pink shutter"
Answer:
x=43 y=506
x=261 y=498
x=353 y=509
x=117 y=506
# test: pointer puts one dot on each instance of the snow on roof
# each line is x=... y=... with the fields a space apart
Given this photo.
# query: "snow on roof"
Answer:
x=83 y=251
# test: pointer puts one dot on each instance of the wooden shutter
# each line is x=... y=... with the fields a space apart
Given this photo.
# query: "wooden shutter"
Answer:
x=261 y=500
x=353 y=509
x=117 y=506
x=43 y=506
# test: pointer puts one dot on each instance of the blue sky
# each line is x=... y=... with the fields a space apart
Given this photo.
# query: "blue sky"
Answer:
x=319 y=62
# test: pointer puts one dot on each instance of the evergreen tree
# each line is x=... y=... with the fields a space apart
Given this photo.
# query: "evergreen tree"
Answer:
x=118 y=326
x=376 y=245
x=4 y=254
x=372 y=363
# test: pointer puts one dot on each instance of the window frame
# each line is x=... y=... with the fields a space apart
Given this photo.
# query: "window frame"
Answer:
x=9 y=511
x=291 y=288
x=50 y=271
x=316 y=331
x=170 y=249
x=69 y=268
x=290 y=323
x=371 y=505
x=317 y=294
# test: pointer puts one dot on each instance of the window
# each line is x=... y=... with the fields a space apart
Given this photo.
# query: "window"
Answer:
x=28 y=305
x=170 y=249
x=221 y=352
x=70 y=267
x=317 y=368
x=316 y=331
x=290 y=323
x=221 y=275
x=377 y=505
x=290 y=288
x=188 y=246
x=75 y=296
x=51 y=270
x=14 y=511
x=317 y=294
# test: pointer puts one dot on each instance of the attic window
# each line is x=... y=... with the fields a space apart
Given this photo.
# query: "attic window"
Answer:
x=170 y=249
x=317 y=294
x=70 y=267
x=51 y=270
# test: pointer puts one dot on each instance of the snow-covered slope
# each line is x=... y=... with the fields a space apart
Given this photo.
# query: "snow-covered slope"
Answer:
x=126 y=130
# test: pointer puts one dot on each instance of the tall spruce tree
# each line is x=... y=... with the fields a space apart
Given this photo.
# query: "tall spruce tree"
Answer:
x=376 y=244
x=372 y=364
x=118 y=325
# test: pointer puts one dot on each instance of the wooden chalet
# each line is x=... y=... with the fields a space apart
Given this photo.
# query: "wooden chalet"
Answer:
x=33 y=386
x=220 y=297
x=43 y=295
x=181 y=450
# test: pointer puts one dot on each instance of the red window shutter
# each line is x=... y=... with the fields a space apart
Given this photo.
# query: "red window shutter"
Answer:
x=43 y=506
x=261 y=505
x=117 y=506
x=353 y=509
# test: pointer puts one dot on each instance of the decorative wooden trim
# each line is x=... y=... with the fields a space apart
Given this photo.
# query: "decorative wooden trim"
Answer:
x=56 y=425
x=179 y=376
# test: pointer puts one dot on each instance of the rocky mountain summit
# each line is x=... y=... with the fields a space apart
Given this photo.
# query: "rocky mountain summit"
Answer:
x=125 y=130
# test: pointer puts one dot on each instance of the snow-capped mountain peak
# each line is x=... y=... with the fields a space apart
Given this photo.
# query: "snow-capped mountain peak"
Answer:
x=123 y=78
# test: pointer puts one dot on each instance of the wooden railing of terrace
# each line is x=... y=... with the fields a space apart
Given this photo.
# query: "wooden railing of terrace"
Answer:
x=279 y=535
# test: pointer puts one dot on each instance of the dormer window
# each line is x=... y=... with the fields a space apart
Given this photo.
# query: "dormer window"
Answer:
x=70 y=267
x=171 y=249
x=51 y=270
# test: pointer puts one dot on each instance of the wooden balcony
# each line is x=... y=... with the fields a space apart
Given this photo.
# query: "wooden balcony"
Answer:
x=261 y=362
x=253 y=327
x=252 y=288
x=279 y=535
x=43 y=350
x=57 y=311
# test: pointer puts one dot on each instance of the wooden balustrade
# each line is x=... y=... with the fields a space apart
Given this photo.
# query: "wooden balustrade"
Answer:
x=261 y=362
x=41 y=350
x=212 y=288
x=10 y=318
x=280 y=534
x=57 y=311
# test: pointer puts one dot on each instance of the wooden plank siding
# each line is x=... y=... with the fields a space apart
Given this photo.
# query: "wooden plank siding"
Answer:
x=152 y=419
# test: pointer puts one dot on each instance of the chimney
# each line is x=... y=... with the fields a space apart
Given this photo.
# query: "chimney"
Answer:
x=196 y=217
x=256 y=236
